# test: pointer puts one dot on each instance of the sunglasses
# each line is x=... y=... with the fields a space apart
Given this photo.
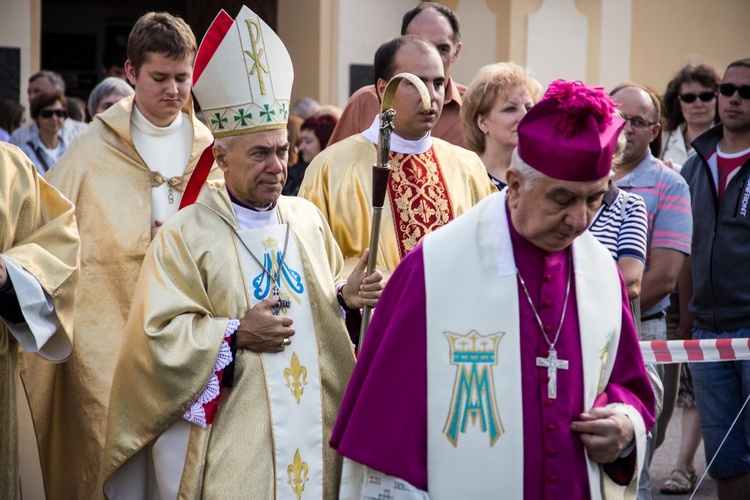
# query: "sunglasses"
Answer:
x=49 y=113
x=728 y=89
x=689 y=97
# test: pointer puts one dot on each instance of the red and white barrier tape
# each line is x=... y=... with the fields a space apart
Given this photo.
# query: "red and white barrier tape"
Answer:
x=695 y=351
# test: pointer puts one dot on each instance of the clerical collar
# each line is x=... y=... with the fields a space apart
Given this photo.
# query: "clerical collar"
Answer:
x=250 y=217
x=237 y=201
x=398 y=143
x=144 y=125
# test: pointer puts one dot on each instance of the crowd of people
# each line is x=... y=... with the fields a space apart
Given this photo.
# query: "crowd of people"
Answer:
x=181 y=291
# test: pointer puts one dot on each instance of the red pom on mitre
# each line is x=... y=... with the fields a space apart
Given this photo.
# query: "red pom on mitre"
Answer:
x=577 y=103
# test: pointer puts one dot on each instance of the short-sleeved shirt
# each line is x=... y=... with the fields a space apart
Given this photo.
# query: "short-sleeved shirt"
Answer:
x=623 y=232
x=670 y=219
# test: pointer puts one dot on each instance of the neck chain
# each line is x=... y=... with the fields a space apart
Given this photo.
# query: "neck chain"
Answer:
x=283 y=303
x=550 y=362
x=172 y=183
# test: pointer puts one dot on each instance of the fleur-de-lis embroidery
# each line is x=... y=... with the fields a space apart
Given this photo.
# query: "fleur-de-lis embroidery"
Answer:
x=297 y=474
x=243 y=116
x=296 y=378
x=219 y=120
x=267 y=112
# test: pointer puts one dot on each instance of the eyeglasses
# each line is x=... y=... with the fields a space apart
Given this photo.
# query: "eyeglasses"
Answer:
x=49 y=113
x=638 y=122
x=728 y=89
x=689 y=97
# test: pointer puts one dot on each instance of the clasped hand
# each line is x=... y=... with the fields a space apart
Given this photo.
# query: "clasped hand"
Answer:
x=261 y=331
x=604 y=433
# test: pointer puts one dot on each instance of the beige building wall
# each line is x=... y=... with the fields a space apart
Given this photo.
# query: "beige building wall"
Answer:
x=20 y=27
x=670 y=33
x=642 y=40
x=646 y=41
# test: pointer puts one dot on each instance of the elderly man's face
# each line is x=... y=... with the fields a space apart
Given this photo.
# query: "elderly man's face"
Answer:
x=641 y=127
x=254 y=166
x=553 y=213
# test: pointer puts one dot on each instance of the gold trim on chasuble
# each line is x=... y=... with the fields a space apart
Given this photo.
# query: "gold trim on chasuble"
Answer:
x=603 y=355
x=474 y=387
x=420 y=201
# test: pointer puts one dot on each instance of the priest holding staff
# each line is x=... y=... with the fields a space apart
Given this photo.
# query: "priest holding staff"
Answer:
x=236 y=355
x=519 y=368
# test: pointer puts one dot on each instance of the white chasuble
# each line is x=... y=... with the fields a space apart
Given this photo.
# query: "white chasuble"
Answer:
x=292 y=376
x=474 y=398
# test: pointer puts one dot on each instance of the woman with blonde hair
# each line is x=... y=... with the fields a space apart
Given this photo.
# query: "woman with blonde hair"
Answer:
x=494 y=104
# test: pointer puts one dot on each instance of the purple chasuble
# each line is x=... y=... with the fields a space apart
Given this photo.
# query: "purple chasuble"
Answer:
x=383 y=419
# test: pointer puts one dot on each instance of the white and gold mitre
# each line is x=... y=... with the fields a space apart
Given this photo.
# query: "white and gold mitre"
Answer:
x=242 y=76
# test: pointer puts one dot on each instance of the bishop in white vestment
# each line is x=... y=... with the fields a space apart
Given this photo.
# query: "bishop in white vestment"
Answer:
x=236 y=354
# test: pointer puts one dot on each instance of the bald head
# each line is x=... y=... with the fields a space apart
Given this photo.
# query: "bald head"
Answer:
x=641 y=109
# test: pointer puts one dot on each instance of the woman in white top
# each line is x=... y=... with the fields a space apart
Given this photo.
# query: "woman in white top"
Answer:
x=49 y=111
x=689 y=110
x=497 y=99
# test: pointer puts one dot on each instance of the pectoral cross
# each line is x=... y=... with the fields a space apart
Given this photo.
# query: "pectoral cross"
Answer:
x=552 y=364
x=285 y=303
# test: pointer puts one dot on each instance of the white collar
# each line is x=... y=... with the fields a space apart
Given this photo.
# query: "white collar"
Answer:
x=145 y=126
x=398 y=143
x=254 y=219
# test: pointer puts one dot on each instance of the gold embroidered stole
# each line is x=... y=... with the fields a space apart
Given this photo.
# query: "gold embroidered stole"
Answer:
x=420 y=201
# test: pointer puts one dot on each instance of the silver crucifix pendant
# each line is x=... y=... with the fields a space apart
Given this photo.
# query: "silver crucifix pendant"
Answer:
x=281 y=304
x=552 y=364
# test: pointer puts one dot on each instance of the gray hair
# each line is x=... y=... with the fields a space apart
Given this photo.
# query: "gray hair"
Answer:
x=528 y=173
x=305 y=107
x=225 y=143
x=55 y=79
x=106 y=87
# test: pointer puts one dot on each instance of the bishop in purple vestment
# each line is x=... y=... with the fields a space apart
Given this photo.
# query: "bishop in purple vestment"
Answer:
x=559 y=174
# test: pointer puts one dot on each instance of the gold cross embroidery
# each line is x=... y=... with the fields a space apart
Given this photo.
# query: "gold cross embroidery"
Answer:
x=257 y=53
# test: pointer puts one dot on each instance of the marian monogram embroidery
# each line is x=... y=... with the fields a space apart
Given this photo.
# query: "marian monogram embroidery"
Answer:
x=290 y=281
x=474 y=387
x=419 y=196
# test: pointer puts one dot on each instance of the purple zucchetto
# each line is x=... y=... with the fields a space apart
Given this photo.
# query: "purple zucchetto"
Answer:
x=571 y=134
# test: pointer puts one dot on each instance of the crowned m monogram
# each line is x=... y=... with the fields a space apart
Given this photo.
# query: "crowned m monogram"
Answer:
x=474 y=388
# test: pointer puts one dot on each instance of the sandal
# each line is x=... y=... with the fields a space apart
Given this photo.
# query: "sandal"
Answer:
x=679 y=483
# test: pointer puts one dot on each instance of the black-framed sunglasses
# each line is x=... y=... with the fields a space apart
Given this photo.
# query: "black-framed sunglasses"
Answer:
x=728 y=89
x=689 y=97
x=49 y=113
